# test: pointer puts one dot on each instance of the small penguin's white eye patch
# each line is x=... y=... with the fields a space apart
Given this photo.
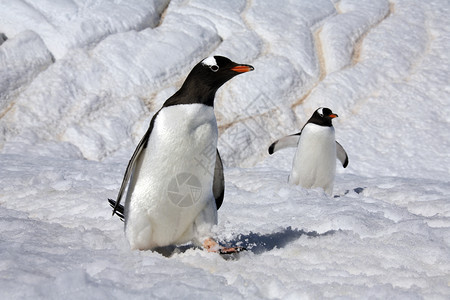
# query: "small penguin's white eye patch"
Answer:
x=320 y=111
x=209 y=61
x=214 y=68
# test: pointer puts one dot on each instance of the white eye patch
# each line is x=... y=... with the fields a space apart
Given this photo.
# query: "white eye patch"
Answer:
x=210 y=61
x=320 y=111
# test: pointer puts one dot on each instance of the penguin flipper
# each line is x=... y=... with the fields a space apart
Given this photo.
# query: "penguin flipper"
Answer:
x=285 y=142
x=218 y=181
x=137 y=152
x=341 y=155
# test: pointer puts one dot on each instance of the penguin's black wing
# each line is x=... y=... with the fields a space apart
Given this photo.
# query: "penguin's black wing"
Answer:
x=341 y=155
x=218 y=181
x=131 y=164
x=285 y=142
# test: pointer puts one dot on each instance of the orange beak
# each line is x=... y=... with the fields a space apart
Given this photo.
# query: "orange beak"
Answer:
x=242 y=68
x=333 y=116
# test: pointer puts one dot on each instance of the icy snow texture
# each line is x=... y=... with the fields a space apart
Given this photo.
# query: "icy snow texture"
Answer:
x=80 y=81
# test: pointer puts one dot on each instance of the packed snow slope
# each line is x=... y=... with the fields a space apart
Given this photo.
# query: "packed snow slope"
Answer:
x=80 y=81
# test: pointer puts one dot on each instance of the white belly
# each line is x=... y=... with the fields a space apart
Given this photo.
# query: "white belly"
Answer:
x=172 y=182
x=314 y=163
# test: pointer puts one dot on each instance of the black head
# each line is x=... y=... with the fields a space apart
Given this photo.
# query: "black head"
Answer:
x=216 y=70
x=205 y=79
x=322 y=116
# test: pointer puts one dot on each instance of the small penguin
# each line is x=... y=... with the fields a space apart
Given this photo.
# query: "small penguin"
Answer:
x=175 y=175
x=314 y=162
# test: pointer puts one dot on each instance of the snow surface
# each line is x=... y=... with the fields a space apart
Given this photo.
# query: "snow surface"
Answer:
x=80 y=81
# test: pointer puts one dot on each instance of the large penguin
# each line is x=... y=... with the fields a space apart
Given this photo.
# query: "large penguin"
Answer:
x=175 y=175
x=314 y=163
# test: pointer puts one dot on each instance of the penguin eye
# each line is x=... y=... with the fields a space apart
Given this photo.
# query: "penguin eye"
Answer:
x=214 y=68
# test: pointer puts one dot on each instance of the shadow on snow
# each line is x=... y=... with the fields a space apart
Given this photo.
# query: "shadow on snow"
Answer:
x=258 y=243
x=253 y=242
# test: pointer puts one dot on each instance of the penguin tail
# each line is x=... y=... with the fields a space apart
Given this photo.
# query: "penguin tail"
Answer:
x=119 y=210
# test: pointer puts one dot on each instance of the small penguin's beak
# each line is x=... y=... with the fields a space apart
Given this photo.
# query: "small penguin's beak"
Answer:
x=333 y=116
x=242 y=68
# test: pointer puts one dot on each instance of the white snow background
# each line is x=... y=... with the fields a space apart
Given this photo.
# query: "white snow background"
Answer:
x=80 y=81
